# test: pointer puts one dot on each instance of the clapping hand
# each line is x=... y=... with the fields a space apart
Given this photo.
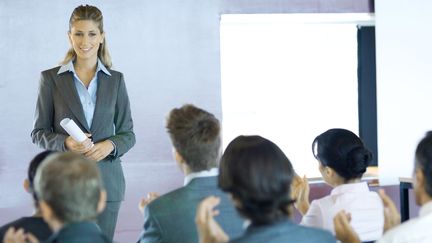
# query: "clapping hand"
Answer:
x=343 y=230
x=145 y=201
x=208 y=229
x=18 y=236
x=300 y=192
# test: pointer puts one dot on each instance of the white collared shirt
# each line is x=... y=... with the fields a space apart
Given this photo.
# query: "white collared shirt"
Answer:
x=416 y=230
x=365 y=207
x=87 y=95
x=204 y=173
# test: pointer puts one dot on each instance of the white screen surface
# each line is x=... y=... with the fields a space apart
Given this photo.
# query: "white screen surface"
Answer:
x=404 y=51
x=288 y=78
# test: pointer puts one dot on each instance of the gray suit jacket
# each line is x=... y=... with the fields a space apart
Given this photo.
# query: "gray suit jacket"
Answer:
x=284 y=231
x=58 y=99
x=171 y=218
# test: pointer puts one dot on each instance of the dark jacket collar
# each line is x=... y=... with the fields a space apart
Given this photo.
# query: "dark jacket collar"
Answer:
x=85 y=232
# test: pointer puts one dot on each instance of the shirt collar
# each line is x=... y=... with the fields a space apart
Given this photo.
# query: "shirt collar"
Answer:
x=68 y=67
x=353 y=187
x=203 y=173
x=426 y=209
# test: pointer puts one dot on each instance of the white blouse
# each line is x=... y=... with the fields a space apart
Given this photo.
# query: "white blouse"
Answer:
x=365 y=207
x=417 y=230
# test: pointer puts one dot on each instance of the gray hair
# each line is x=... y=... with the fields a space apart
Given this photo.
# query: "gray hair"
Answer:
x=71 y=185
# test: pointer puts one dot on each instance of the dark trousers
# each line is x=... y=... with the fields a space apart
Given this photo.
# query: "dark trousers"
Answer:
x=107 y=220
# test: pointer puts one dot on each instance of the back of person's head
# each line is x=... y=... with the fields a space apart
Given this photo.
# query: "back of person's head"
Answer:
x=71 y=185
x=257 y=174
x=33 y=167
x=423 y=161
x=195 y=134
x=343 y=151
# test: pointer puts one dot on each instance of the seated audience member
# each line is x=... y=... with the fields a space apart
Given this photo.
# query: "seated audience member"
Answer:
x=258 y=176
x=35 y=223
x=71 y=195
x=195 y=135
x=414 y=230
x=343 y=159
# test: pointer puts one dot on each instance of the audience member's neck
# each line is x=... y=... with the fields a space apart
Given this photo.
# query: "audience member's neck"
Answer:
x=341 y=181
x=55 y=225
x=424 y=198
x=37 y=213
x=185 y=169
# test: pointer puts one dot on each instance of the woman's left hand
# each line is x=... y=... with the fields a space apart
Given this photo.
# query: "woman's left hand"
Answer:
x=100 y=150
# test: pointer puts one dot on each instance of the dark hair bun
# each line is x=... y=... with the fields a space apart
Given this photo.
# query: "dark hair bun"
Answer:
x=358 y=160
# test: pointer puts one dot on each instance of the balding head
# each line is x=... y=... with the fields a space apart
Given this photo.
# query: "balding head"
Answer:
x=71 y=186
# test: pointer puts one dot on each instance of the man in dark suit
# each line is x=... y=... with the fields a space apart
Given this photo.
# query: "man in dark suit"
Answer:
x=71 y=196
x=195 y=135
x=35 y=223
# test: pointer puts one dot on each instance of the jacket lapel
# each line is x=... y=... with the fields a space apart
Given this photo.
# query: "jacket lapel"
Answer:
x=104 y=98
x=66 y=87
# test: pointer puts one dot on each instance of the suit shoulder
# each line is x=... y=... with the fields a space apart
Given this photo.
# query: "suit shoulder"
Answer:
x=51 y=71
x=166 y=200
x=115 y=73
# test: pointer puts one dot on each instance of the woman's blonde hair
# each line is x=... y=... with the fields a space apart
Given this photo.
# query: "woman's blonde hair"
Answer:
x=88 y=12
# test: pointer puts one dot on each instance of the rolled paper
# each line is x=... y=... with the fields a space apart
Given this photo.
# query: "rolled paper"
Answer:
x=73 y=130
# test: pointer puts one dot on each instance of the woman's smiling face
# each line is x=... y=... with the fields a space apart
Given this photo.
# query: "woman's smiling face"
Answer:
x=86 y=38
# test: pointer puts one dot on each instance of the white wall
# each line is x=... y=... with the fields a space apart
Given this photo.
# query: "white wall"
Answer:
x=404 y=82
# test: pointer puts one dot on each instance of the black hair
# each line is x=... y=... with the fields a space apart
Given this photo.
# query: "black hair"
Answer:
x=423 y=160
x=33 y=166
x=258 y=174
x=343 y=151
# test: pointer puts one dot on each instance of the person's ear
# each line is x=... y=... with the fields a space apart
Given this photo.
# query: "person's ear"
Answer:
x=419 y=178
x=329 y=171
x=102 y=201
x=26 y=185
x=178 y=157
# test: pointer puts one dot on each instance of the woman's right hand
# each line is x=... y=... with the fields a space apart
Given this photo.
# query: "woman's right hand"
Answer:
x=300 y=192
x=77 y=147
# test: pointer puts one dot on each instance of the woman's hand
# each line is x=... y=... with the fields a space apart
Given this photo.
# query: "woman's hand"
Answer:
x=78 y=147
x=300 y=192
x=392 y=217
x=343 y=230
x=100 y=150
x=208 y=229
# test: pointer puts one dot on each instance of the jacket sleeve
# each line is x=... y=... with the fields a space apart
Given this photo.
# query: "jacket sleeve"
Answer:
x=43 y=134
x=152 y=230
x=124 y=138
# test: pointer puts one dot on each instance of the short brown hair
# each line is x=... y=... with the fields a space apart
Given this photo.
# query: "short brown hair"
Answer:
x=195 y=134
